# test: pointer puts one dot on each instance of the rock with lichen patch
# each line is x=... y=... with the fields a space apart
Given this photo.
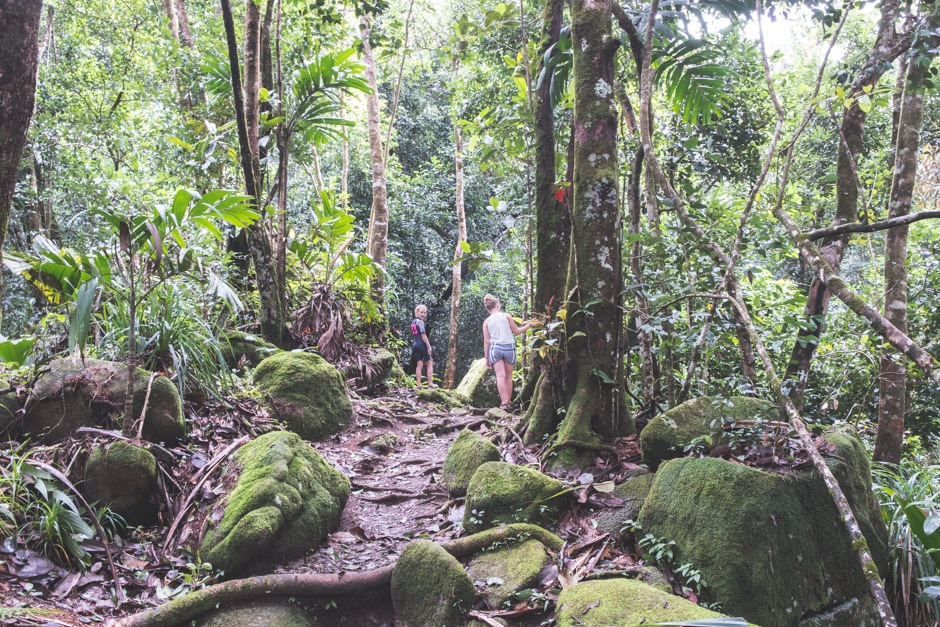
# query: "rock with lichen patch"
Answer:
x=468 y=452
x=430 y=587
x=632 y=493
x=770 y=547
x=306 y=392
x=123 y=477
x=255 y=614
x=479 y=385
x=623 y=602
x=74 y=394
x=244 y=349
x=287 y=498
x=447 y=398
x=501 y=573
x=666 y=435
x=501 y=493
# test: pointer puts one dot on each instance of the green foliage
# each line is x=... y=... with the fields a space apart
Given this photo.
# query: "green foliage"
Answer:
x=908 y=495
x=16 y=352
x=34 y=509
x=694 y=80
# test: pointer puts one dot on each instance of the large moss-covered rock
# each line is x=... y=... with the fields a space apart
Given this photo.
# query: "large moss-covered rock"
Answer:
x=305 y=392
x=633 y=493
x=623 y=602
x=505 y=571
x=447 y=398
x=668 y=433
x=501 y=493
x=244 y=349
x=286 y=500
x=479 y=385
x=256 y=614
x=124 y=477
x=772 y=548
x=469 y=451
x=430 y=587
x=73 y=395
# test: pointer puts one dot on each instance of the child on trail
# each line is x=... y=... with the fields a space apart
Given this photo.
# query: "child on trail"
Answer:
x=500 y=347
x=421 y=345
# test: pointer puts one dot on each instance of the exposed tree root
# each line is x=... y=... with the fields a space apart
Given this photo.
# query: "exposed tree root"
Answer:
x=199 y=602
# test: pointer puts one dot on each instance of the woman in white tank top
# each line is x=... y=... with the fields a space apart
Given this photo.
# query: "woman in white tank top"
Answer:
x=499 y=346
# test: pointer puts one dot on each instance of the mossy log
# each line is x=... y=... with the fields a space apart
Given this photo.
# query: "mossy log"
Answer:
x=178 y=611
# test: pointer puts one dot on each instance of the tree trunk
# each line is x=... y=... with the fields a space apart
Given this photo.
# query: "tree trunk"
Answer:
x=273 y=321
x=377 y=243
x=450 y=374
x=893 y=378
x=852 y=130
x=19 y=63
x=595 y=409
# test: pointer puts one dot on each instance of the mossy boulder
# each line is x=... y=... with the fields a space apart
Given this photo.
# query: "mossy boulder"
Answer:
x=124 y=477
x=501 y=573
x=623 y=602
x=430 y=587
x=73 y=395
x=287 y=498
x=632 y=493
x=468 y=452
x=244 y=349
x=306 y=392
x=438 y=396
x=501 y=493
x=255 y=614
x=772 y=548
x=479 y=385
x=667 y=434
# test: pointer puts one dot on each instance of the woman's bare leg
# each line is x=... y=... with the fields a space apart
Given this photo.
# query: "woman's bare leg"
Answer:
x=503 y=381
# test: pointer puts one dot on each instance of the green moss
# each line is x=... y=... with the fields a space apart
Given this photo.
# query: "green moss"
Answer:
x=306 y=392
x=469 y=451
x=771 y=548
x=623 y=602
x=516 y=566
x=430 y=587
x=501 y=493
x=286 y=500
x=124 y=477
x=667 y=434
x=479 y=385
x=240 y=348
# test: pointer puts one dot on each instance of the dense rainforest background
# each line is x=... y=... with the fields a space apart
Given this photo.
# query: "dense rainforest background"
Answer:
x=716 y=198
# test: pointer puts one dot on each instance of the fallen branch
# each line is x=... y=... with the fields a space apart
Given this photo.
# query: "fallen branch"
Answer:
x=181 y=610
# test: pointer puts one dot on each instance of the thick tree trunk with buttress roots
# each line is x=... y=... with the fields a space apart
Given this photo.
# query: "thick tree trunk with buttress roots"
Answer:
x=595 y=409
x=19 y=63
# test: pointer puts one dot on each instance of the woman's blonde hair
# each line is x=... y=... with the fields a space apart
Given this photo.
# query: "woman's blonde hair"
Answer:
x=490 y=302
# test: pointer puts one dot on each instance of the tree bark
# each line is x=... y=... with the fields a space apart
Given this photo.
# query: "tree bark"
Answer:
x=377 y=242
x=886 y=48
x=19 y=64
x=450 y=374
x=595 y=409
x=892 y=398
x=273 y=321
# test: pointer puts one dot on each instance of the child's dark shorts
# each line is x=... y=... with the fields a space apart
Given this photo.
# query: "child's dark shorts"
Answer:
x=421 y=352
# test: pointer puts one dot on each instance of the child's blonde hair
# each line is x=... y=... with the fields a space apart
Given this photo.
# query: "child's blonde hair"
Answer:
x=419 y=308
x=490 y=302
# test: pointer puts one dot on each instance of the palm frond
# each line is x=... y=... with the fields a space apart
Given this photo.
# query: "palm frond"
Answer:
x=687 y=70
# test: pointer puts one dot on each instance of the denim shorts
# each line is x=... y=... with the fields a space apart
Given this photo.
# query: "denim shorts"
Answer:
x=505 y=352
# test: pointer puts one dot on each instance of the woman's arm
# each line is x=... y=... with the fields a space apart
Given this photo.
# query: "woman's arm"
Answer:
x=516 y=330
x=486 y=345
